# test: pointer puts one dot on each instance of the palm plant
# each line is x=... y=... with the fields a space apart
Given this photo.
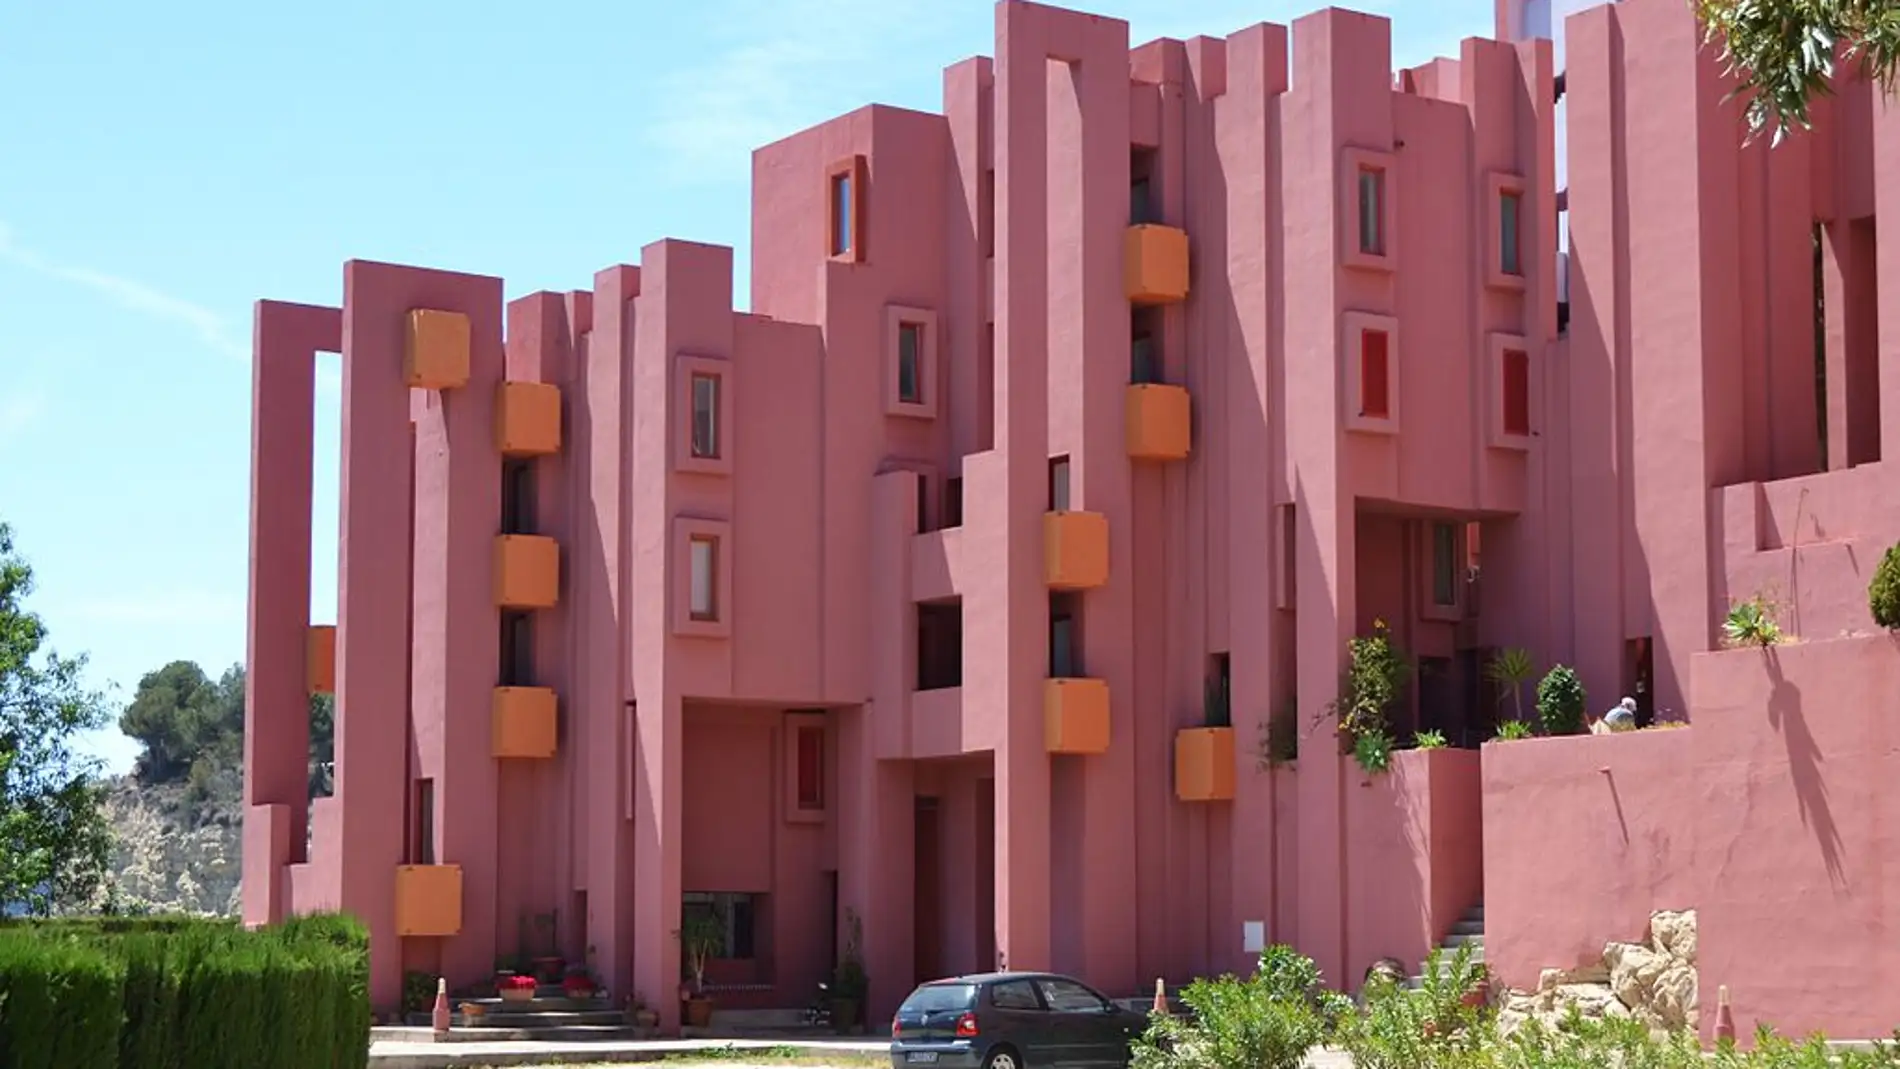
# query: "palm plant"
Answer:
x=1510 y=669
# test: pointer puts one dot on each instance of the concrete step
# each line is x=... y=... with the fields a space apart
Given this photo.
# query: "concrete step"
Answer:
x=460 y=1033
x=541 y=1019
x=548 y=1000
x=771 y=1019
x=1455 y=940
x=1468 y=927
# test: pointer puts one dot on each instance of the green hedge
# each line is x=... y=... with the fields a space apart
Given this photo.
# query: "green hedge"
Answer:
x=165 y=992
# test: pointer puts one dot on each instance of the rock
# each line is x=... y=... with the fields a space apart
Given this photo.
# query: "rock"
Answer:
x=1674 y=934
x=1633 y=971
x=1594 y=973
x=1673 y=997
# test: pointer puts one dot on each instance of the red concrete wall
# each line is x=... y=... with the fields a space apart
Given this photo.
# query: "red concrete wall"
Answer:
x=1774 y=817
x=1413 y=861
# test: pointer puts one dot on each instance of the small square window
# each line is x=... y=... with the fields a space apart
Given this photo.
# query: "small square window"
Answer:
x=704 y=590
x=910 y=360
x=1372 y=211
x=705 y=416
x=1375 y=374
x=1510 y=258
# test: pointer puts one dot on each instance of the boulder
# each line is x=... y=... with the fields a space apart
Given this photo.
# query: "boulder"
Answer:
x=1674 y=934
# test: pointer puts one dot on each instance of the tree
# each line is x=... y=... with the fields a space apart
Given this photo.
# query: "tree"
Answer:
x=1784 y=51
x=54 y=839
x=191 y=729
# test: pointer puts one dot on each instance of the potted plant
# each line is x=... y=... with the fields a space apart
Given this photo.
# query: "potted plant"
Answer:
x=473 y=1012
x=701 y=935
x=515 y=987
x=849 y=984
x=640 y=1014
x=577 y=984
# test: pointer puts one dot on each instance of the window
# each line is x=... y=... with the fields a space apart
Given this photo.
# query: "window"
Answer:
x=422 y=849
x=841 y=210
x=1509 y=260
x=1144 y=349
x=939 y=645
x=1067 y=996
x=986 y=389
x=953 y=502
x=1372 y=211
x=1014 y=995
x=1444 y=564
x=1375 y=385
x=704 y=592
x=737 y=914
x=1516 y=385
x=1141 y=197
x=517 y=649
x=923 y=503
x=705 y=416
x=986 y=213
x=811 y=767
x=517 y=497
x=1059 y=484
x=910 y=361
x=1065 y=639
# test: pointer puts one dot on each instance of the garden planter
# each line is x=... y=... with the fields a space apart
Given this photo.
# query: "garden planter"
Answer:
x=645 y=1018
x=517 y=994
x=577 y=991
x=696 y=1012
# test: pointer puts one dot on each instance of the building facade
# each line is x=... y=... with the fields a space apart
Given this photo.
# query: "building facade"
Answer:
x=963 y=602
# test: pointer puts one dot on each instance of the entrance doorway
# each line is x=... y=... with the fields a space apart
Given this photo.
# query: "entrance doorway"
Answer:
x=927 y=891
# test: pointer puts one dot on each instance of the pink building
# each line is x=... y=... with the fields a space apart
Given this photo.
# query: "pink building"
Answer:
x=959 y=593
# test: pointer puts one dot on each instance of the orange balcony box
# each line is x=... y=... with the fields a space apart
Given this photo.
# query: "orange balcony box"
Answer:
x=435 y=350
x=528 y=419
x=1204 y=764
x=429 y=900
x=1074 y=550
x=1075 y=716
x=1158 y=421
x=319 y=658
x=523 y=722
x=527 y=571
x=1155 y=264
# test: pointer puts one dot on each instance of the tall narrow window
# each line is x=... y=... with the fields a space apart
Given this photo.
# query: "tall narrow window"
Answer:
x=704 y=579
x=1141 y=360
x=841 y=193
x=1515 y=381
x=423 y=849
x=986 y=213
x=517 y=497
x=923 y=503
x=910 y=361
x=1444 y=564
x=811 y=767
x=1375 y=375
x=1065 y=647
x=1059 y=484
x=1141 y=195
x=706 y=416
x=953 y=502
x=1372 y=211
x=1509 y=259
x=517 y=649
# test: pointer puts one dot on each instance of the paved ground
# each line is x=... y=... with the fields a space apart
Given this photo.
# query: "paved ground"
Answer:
x=723 y=1053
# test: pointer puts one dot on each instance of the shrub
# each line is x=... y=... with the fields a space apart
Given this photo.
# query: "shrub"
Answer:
x=1512 y=729
x=1752 y=623
x=1883 y=594
x=1429 y=740
x=161 y=992
x=1560 y=701
x=1434 y=1027
x=1270 y=1020
x=1376 y=671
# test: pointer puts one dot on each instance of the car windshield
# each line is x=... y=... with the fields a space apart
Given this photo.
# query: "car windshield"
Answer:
x=937 y=998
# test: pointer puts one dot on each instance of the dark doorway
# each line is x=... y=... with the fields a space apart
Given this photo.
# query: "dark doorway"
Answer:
x=985 y=871
x=831 y=923
x=1639 y=677
x=927 y=891
x=1439 y=698
x=1480 y=699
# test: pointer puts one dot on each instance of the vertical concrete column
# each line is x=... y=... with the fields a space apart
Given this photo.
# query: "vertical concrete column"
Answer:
x=1599 y=377
x=966 y=96
x=684 y=307
x=286 y=339
x=1886 y=124
x=373 y=602
x=1245 y=122
x=538 y=848
x=1853 y=343
x=596 y=562
x=1017 y=649
x=455 y=629
x=1086 y=152
x=1340 y=97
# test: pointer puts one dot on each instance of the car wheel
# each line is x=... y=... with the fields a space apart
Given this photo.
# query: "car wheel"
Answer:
x=1003 y=1058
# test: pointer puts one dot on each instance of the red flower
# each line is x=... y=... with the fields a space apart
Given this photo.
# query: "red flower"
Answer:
x=515 y=982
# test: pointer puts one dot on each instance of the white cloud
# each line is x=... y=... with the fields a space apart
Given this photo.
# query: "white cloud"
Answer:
x=131 y=295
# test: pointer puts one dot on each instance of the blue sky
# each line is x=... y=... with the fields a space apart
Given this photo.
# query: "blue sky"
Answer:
x=167 y=165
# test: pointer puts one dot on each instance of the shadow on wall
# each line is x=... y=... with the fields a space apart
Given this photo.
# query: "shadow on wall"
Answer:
x=1804 y=765
x=1414 y=862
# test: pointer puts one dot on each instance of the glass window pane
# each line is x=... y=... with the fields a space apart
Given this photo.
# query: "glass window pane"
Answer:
x=910 y=342
x=840 y=214
x=705 y=416
x=1507 y=234
x=1444 y=564
x=703 y=603
x=1014 y=995
x=1067 y=996
x=1371 y=213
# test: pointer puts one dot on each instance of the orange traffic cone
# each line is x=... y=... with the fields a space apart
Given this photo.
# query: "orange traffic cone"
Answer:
x=1161 y=998
x=1724 y=1016
x=439 y=1020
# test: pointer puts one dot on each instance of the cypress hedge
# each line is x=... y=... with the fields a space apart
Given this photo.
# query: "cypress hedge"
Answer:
x=157 y=993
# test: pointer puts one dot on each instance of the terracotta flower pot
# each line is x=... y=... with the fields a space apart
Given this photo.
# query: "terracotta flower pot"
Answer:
x=517 y=994
x=696 y=1012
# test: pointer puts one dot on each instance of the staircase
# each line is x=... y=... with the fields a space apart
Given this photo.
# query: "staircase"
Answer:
x=1469 y=931
x=549 y=1017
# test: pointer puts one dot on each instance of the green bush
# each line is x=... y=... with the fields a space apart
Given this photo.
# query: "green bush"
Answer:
x=1270 y=1020
x=1430 y=1028
x=1560 y=701
x=156 y=993
x=1883 y=594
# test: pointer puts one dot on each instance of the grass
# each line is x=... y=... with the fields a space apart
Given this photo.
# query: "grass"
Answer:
x=774 y=1056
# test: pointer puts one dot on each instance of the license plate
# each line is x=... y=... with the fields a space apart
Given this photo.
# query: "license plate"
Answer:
x=921 y=1057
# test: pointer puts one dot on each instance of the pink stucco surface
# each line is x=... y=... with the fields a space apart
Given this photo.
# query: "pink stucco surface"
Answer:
x=841 y=724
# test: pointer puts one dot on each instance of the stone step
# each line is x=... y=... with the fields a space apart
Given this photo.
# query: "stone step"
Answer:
x=547 y=1000
x=1468 y=927
x=508 y=1018
x=459 y=1033
x=1452 y=942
